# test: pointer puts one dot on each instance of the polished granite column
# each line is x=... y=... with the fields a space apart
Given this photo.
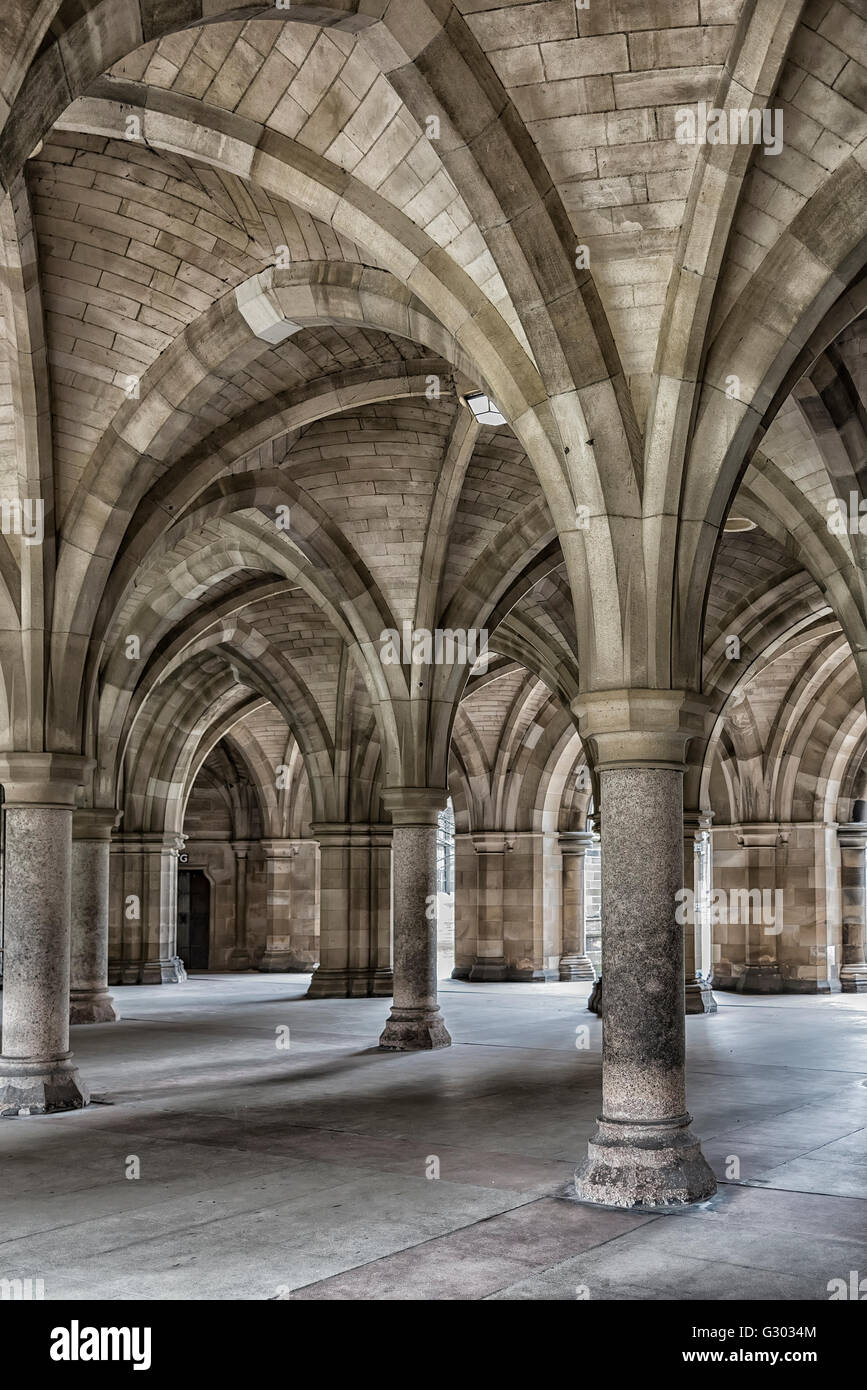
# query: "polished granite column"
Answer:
x=643 y=1152
x=37 y=1073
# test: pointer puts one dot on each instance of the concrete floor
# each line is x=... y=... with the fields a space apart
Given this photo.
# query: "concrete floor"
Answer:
x=270 y=1173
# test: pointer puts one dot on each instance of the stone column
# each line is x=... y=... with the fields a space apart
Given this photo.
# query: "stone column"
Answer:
x=354 y=912
x=37 y=1074
x=489 y=961
x=278 y=856
x=699 y=995
x=239 y=957
x=853 y=894
x=147 y=866
x=89 y=999
x=466 y=905
x=382 y=971
x=415 y=1021
x=643 y=1151
x=575 y=964
x=762 y=974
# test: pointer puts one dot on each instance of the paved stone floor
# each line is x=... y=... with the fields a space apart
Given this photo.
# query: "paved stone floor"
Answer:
x=270 y=1173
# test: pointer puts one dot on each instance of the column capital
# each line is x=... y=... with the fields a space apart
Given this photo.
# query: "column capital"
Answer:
x=696 y=823
x=150 y=841
x=93 y=823
x=414 y=805
x=852 y=834
x=576 y=841
x=278 y=849
x=43 y=779
x=337 y=834
x=492 y=842
x=762 y=834
x=639 y=728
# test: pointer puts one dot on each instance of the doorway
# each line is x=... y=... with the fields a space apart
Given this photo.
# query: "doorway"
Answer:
x=194 y=918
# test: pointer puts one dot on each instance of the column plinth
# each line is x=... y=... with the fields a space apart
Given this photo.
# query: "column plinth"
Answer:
x=415 y=1022
x=37 y=1074
x=643 y=1152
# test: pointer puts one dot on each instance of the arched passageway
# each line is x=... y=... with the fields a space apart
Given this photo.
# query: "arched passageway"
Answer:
x=403 y=415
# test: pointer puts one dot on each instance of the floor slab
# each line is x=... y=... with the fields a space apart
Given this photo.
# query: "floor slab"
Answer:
x=330 y=1170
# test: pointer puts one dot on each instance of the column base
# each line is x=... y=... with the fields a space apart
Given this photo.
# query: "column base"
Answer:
x=488 y=970
x=576 y=968
x=594 y=1003
x=382 y=984
x=760 y=979
x=238 y=959
x=853 y=979
x=40 y=1087
x=275 y=961
x=793 y=985
x=699 y=997
x=351 y=984
x=91 y=1006
x=169 y=971
x=328 y=984
x=414 y=1030
x=461 y=972
x=530 y=975
x=644 y=1165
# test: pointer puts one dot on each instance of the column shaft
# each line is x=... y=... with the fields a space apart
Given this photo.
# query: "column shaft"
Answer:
x=239 y=958
x=354 y=912
x=699 y=995
x=89 y=999
x=575 y=964
x=415 y=1021
x=643 y=1152
x=37 y=1074
x=853 y=895
x=278 y=857
x=489 y=961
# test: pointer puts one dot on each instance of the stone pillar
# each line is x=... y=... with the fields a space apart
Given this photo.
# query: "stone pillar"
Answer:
x=89 y=999
x=37 y=1075
x=489 y=961
x=466 y=905
x=643 y=1151
x=415 y=1021
x=532 y=954
x=278 y=954
x=575 y=964
x=147 y=864
x=762 y=974
x=696 y=944
x=239 y=956
x=382 y=971
x=354 y=912
x=853 y=894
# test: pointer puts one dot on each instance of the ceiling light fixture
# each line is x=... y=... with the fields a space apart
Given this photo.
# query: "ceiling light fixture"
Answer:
x=484 y=409
x=738 y=523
